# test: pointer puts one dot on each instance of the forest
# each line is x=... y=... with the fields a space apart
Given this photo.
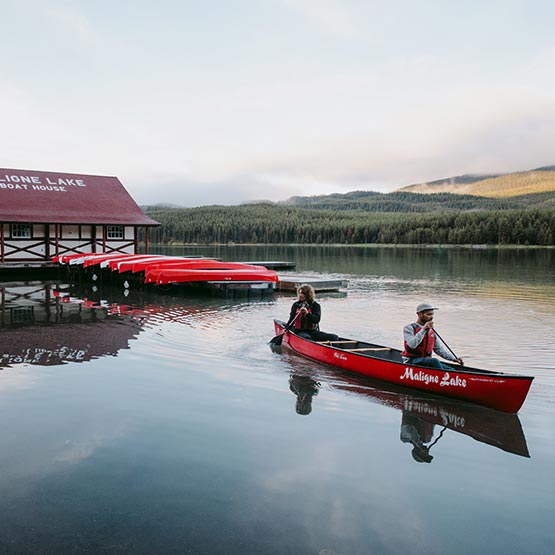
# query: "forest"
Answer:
x=402 y=201
x=452 y=222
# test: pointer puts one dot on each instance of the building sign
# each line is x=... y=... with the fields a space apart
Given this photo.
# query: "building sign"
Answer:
x=36 y=183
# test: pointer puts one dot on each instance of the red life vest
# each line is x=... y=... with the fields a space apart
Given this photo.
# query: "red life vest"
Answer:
x=426 y=347
x=302 y=323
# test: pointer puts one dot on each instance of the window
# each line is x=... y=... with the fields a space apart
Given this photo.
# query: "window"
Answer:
x=23 y=314
x=21 y=231
x=114 y=232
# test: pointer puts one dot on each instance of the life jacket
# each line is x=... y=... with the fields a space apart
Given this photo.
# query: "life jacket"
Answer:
x=426 y=347
x=302 y=323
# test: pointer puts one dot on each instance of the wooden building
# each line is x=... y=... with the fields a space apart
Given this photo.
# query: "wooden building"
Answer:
x=45 y=214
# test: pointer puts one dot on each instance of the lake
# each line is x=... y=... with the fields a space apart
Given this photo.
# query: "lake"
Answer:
x=137 y=421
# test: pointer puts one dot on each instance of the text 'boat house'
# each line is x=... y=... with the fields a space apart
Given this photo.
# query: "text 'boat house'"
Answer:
x=47 y=214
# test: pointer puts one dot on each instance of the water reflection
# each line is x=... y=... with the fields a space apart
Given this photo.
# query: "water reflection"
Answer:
x=52 y=323
x=419 y=433
x=41 y=325
x=424 y=418
x=532 y=266
x=305 y=388
x=127 y=451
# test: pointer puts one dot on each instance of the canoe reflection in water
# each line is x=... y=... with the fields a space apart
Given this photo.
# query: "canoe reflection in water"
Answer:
x=425 y=418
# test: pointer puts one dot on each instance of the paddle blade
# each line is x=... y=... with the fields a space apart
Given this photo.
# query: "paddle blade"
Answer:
x=277 y=339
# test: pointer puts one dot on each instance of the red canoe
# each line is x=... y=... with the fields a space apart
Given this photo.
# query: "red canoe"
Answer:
x=225 y=272
x=101 y=259
x=65 y=258
x=137 y=266
x=153 y=269
x=497 y=390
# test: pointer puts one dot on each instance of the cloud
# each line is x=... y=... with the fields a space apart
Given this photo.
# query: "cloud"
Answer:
x=336 y=18
x=305 y=137
x=203 y=117
x=471 y=130
x=70 y=23
x=184 y=191
x=30 y=126
x=17 y=377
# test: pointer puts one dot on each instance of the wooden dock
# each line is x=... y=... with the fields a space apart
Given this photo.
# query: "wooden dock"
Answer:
x=27 y=271
x=292 y=283
x=274 y=264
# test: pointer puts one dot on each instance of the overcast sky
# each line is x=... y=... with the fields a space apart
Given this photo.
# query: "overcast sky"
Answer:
x=225 y=101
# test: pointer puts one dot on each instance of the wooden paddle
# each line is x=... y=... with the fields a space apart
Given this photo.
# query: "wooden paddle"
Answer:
x=279 y=338
x=449 y=348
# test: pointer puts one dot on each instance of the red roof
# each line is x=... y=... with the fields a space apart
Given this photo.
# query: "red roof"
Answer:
x=67 y=198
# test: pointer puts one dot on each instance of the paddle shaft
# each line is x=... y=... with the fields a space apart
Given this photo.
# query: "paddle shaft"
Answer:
x=279 y=337
x=443 y=341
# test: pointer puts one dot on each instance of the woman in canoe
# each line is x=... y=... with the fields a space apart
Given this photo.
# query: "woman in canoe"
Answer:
x=306 y=313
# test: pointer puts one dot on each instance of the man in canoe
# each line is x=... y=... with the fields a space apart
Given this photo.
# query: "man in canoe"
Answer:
x=421 y=341
x=306 y=313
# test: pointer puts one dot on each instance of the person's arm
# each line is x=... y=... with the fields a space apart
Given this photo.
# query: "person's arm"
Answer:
x=413 y=339
x=292 y=313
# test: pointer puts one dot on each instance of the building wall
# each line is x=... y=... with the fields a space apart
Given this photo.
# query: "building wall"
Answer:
x=49 y=240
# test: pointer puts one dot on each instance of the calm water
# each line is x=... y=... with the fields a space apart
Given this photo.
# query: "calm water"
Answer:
x=160 y=423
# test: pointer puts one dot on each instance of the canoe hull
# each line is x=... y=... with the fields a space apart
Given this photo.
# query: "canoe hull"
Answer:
x=497 y=390
x=226 y=273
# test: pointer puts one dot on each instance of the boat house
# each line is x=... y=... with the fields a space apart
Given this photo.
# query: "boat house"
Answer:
x=46 y=214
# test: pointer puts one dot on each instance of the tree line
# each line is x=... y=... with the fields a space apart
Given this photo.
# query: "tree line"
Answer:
x=404 y=201
x=279 y=224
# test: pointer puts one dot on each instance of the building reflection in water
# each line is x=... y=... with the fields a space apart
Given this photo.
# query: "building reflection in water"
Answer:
x=424 y=418
x=40 y=324
x=48 y=323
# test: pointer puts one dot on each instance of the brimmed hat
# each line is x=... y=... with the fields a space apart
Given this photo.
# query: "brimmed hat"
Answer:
x=422 y=307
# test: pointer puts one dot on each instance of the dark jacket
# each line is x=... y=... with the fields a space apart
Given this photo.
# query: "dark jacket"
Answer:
x=308 y=322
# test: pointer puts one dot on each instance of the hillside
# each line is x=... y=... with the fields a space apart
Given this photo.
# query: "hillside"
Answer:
x=410 y=202
x=448 y=184
x=513 y=184
x=541 y=180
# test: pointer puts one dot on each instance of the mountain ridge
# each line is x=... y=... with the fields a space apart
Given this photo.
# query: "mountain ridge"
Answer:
x=526 y=189
x=538 y=180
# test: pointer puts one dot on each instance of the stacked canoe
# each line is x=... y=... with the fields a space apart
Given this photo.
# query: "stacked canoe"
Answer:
x=174 y=270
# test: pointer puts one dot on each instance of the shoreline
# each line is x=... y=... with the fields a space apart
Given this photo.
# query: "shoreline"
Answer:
x=355 y=245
